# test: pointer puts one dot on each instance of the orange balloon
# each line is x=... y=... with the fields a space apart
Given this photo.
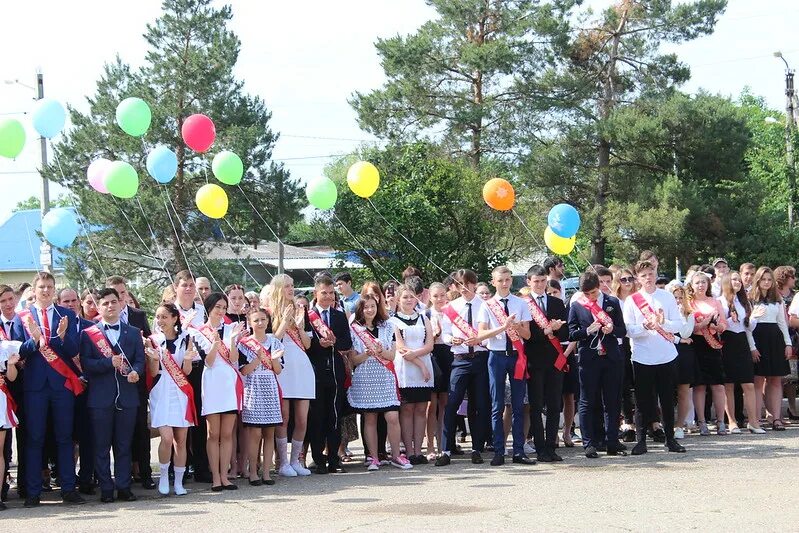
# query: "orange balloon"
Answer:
x=499 y=194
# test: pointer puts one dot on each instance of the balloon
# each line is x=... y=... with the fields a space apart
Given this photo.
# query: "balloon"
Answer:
x=162 y=164
x=564 y=220
x=499 y=194
x=211 y=200
x=60 y=227
x=134 y=116
x=198 y=132
x=321 y=193
x=227 y=167
x=96 y=173
x=363 y=179
x=12 y=137
x=48 y=117
x=557 y=244
x=121 y=180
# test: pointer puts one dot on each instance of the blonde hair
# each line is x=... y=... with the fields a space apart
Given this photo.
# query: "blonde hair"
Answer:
x=277 y=299
x=502 y=269
x=402 y=289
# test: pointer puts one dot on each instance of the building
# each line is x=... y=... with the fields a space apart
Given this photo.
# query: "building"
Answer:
x=20 y=243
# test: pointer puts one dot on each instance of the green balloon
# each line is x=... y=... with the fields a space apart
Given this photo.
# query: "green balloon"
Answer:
x=321 y=193
x=122 y=180
x=227 y=167
x=12 y=137
x=134 y=116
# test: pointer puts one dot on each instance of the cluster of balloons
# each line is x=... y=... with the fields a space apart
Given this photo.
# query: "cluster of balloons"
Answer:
x=363 y=179
x=561 y=233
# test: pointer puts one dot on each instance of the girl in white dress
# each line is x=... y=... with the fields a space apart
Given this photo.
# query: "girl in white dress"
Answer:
x=414 y=371
x=172 y=412
x=8 y=419
x=297 y=380
x=222 y=386
x=262 y=406
x=443 y=356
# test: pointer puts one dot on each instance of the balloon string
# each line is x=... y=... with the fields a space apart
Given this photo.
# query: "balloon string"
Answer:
x=366 y=251
x=155 y=241
x=177 y=237
x=231 y=247
x=141 y=239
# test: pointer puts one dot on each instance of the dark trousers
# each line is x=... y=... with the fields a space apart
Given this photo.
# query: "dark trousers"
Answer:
x=652 y=383
x=382 y=435
x=600 y=388
x=113 y=427
x=85 y=439
x=141 y=435
x=471 y=375
x=198 y=434
x=61 y=402
x=545 y=389
x=324 y=419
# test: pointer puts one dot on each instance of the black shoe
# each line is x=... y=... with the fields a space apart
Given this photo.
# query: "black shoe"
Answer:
x=658 y=435
x=256 y=482
x=126 y=495
x=443 y=460
x=148 y=483
x=336 y=468
x=602 y=447
x=628 y=435
x=269 y=482
x=46 y=486
x=640 y=448
x=498 y=460
x=477 y=458
x=32 y=501
x=555 y=457
x=674 y=446
x=545 y=457
x=107 y=498
x=423 y=460
x=413 y=459
x=590 y=452
x=523 y=460
x=616 y=451
x=87 y=490
x=458 y=451
x=220 y=488
x=321 y=469
x=230 y=487
x=73 y=497
x=621 y=447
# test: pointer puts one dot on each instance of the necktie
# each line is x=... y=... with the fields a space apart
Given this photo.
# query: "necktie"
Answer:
x=9 y=329
x=541 y=303
x=508 y=343
x=469 y=320
x=109 y=326
x=45 y=326
x=326 y=317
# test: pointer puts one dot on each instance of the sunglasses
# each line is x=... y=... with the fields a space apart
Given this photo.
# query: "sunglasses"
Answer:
x=626 y=280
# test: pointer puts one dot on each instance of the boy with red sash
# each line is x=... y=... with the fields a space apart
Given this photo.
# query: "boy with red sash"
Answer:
x=596 y=323
x=545 y=362
x=330 y=336
x=652 y=317
x=112 y=356
x=504 y=320
x=469 y=367
x=51 y=384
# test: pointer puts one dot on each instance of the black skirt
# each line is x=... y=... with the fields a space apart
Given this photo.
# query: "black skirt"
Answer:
x=737 y=358
x=771 y=345
x=709 y=370
x=443 y=358
x=686 y=364
x=377 y=409
x=416 y=394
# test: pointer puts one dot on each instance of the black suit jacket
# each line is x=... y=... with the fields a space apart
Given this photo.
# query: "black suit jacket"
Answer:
x=541 y=354
x=138 y=319
x=579 y=320
x=327 y=362
x=107 y=386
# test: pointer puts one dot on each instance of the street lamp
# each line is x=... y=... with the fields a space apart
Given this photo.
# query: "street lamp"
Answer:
x=45 y=252
x=790 y=118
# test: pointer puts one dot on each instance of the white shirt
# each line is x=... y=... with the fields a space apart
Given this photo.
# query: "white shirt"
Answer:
x=775 y=314
x=738 y=327
x=516 y=306
x=8 y=324
x=540 y=300
x=111 y=334
x=448 y=330
x=648 y=346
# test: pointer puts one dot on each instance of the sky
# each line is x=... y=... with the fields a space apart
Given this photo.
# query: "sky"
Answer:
x=306 y=58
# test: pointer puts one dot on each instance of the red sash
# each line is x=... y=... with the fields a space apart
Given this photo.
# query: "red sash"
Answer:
x=11 y=406
x=649 y=314
x=72 y=381
x=258 y=349
x=372 y=343
x=520 y=370
x=180 y=379
x=459 y=322
x=711 y=339
x=541 y=320
x=599 y=315
x=224 y=352
x=295 y=336
x=326 y=333
x=101 y=343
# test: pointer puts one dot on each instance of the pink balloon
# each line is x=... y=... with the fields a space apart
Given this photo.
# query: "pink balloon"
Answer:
x=198 y=132
x=96 y=174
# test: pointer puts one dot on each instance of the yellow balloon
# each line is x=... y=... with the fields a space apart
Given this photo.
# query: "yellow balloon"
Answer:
x=211 y=200
x=363 y=179
x=559 y=245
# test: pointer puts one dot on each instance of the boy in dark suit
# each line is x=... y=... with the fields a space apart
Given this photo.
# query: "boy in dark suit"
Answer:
x=596 y=323
x=12 y=331
x=112 y=356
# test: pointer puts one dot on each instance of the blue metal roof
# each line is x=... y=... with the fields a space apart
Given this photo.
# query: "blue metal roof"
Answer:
x=20 y=243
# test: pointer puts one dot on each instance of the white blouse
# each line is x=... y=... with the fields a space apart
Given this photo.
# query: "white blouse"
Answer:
x=775 y=314
x=738 y=327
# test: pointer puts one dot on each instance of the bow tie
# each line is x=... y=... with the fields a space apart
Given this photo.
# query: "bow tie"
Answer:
x=109 y=326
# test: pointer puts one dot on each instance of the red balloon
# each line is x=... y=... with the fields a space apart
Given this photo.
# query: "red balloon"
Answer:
x=198 y=132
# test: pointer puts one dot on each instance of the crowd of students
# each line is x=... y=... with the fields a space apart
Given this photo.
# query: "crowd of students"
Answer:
x=235 y=382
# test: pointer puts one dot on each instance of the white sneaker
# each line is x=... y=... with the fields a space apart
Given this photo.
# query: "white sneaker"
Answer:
x=529 y=449
x=299 y=469
x=287 y=471
x=679 y=433
x=374 y=464
x=402 y=463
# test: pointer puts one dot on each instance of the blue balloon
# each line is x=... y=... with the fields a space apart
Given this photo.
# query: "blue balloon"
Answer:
x=162 y=164
x=564 y=220
x=60 y=227
x=49 y=117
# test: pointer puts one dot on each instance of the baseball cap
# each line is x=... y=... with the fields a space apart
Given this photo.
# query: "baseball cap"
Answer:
x=719 y=260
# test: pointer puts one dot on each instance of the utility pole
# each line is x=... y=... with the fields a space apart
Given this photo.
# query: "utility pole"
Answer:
x=46 y=253
x=790 y=117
